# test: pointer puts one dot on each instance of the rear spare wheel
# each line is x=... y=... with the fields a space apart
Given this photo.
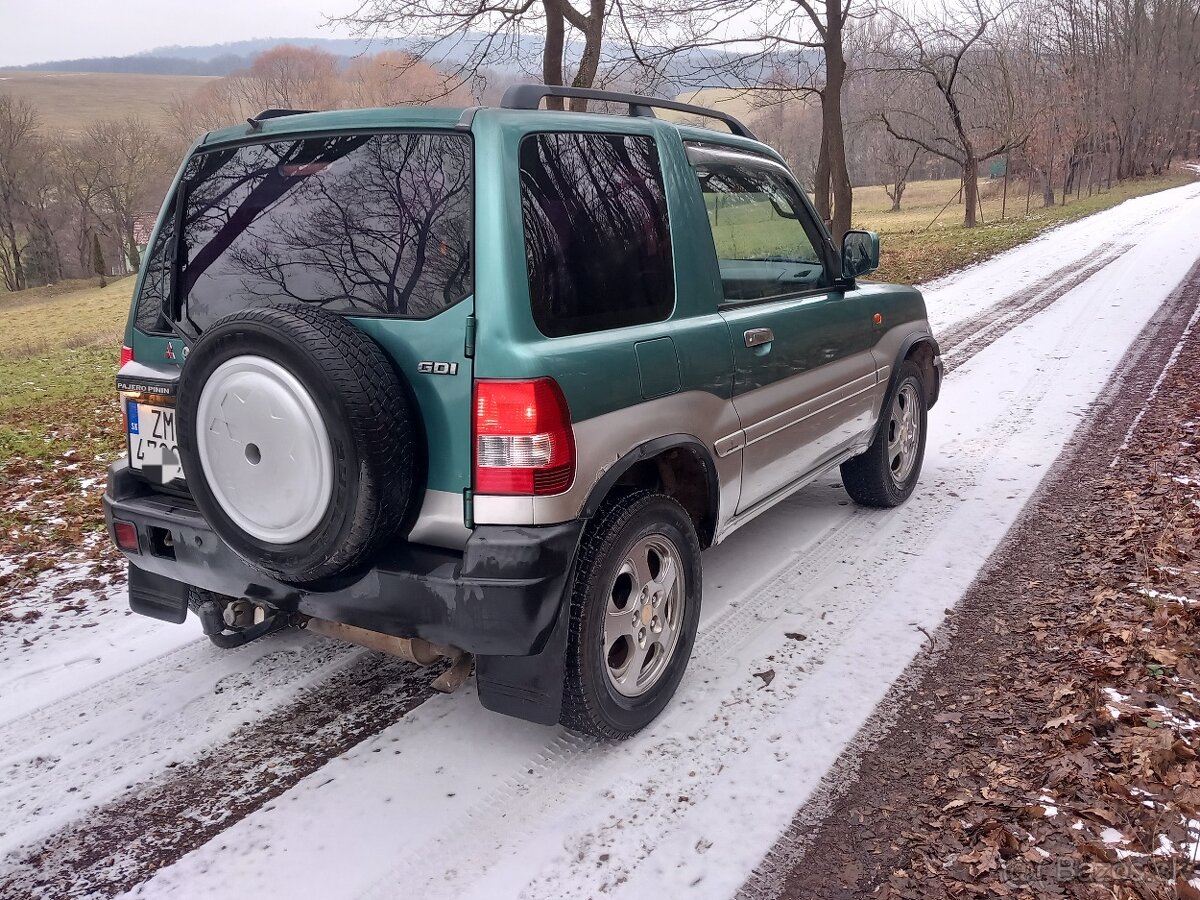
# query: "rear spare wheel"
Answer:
x=296 y=437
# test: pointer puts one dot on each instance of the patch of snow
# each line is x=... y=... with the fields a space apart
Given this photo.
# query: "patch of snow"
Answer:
x=1048 y=804
x=1161 y=595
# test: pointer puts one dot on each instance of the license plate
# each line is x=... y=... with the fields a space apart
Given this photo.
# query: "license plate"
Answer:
x=151 y=432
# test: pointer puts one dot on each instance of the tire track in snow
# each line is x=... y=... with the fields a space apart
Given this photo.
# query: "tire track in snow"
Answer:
x=1151 y=354
x=529 y=798
x=965 y=340
x=119 y=845
x=619 y=850
x=106 y=740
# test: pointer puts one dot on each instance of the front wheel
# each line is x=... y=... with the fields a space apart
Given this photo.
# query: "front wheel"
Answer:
x=635 y=607
x=886 y=474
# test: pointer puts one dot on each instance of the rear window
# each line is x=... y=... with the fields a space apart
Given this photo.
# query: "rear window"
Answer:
x=597 y=240
x=363 y=224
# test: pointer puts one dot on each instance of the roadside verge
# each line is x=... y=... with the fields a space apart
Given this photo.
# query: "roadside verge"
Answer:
x=1045 y=744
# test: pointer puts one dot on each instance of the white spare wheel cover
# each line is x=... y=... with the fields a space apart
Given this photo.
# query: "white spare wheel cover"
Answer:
x=264 y=449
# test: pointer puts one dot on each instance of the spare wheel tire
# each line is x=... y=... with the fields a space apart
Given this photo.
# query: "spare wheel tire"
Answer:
x=296 y=437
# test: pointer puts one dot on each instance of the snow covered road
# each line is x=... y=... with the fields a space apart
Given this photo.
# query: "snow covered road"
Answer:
x=406 y=794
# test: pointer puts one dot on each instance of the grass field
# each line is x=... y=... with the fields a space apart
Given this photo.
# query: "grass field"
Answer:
x=916 y=248
x=59 y=348
x=925 y=238
x=68 y=315
x=70 y=100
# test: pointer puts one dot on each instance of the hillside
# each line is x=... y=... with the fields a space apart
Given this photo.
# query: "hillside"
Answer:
x=68 y=100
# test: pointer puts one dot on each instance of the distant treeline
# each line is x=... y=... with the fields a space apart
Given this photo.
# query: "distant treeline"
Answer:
x=146 y=65
x=204 y=59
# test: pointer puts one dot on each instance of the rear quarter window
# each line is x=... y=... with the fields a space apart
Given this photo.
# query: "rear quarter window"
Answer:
x=154 y=298
x=374 y=224
x=597 y=238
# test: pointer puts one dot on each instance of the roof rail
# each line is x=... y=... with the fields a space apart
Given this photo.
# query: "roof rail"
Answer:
x=255 y=122
x=530 y=96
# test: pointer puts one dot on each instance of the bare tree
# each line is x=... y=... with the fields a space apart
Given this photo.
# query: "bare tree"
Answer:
x=973 y=116
x=391 y=78
x=469 y=36
x=18 y=132
x=792 y=52
x=897 y=164
x=124 y=165
x=290 y=77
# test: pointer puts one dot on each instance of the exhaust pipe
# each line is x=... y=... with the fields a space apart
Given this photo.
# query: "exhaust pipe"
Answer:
x=415 y=650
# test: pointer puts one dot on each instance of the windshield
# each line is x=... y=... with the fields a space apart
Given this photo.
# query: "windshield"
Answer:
x=361 y=224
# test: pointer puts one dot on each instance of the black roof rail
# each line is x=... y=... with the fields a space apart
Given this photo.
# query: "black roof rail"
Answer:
x=274 y=113
x=530 y=96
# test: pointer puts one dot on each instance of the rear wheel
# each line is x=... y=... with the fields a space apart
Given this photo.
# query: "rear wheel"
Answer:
x=635 y=607
x=886 y=474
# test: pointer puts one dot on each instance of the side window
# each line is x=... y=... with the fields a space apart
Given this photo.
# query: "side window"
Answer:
x=597 y=241
x=155 y=295
x=757 y=222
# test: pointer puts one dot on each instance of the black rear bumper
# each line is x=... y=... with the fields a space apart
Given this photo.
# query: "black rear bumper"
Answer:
x=501 y=596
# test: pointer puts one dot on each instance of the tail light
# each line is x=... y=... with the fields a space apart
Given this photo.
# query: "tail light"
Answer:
x=523 y=438
x=126 y=355
x=126 y=536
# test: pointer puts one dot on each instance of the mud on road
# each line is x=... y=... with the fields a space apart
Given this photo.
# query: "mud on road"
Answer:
x=120 y=844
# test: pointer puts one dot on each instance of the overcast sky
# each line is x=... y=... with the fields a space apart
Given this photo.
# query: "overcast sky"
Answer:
x=41 y=30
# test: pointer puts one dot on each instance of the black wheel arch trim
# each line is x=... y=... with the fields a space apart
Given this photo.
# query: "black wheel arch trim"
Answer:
x=649 y=450
x=920 y=337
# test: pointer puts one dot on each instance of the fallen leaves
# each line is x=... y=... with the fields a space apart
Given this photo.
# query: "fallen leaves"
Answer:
x=1060 y=757
x=51 y=480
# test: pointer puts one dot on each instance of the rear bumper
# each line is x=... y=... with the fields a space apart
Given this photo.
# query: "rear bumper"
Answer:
x=502 y=595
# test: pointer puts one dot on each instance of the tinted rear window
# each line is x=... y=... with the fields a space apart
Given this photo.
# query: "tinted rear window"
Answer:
x=597 y=240
x=363 y=224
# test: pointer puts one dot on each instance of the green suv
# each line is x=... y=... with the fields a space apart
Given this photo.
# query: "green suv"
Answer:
x=482 y=384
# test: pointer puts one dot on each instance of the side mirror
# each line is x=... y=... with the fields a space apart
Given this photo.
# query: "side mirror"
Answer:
x=860 y=253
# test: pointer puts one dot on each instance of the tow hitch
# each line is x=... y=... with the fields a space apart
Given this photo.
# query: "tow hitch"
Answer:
x=234 y=623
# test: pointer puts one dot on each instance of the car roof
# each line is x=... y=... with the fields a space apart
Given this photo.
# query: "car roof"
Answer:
x=286 y=123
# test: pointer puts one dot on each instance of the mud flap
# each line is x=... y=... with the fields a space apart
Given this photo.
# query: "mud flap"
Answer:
x=157 y=597
x=527 y=687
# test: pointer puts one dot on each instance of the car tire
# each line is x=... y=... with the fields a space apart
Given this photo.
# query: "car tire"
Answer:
x=636 y=587
x=332 y=483
x=886 y=474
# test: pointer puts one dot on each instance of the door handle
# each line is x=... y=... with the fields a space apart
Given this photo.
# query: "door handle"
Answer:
x=756 y=337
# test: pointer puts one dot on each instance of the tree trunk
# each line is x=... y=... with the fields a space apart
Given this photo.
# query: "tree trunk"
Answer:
x=589 y=63
x=833 y=137
x=135 y=258
x=552 y=51
x=1004 y=197
x=970 y=189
